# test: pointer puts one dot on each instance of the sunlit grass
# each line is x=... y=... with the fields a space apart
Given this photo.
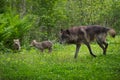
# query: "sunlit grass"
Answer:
x=61 y=65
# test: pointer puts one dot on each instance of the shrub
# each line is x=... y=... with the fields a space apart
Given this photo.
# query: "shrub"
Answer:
x=12 y=27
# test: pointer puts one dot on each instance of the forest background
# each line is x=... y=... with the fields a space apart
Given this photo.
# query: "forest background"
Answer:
x=43 y=19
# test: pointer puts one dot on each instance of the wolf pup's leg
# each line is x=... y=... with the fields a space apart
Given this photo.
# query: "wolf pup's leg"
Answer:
x=50 y=49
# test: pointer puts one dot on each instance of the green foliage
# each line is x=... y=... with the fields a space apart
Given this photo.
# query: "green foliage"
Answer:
x=56 y=14
x=12 y=27
x=115 y=17
x=60 y=64
x=2 y=6
x=52 y=15
x=50 y=12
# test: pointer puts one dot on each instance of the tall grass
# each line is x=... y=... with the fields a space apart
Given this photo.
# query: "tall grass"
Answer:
x=60 y=64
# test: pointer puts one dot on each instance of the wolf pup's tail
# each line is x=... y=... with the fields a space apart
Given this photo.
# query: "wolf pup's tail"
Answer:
x=112 y=32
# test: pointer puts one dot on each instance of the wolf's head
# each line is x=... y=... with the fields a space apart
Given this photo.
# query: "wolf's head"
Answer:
x=33 y=43
x=16 y=41
x=64 y=36
x=16 y=44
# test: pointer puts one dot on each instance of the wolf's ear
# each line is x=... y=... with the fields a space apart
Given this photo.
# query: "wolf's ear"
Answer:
x=68 y=32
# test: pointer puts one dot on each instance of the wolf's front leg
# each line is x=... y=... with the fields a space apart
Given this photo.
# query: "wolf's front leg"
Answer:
x=77 y=50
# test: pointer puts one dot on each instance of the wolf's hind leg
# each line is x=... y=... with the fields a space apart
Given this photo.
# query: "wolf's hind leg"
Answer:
x=50 y=49
x=90 y=50
x=88 y=45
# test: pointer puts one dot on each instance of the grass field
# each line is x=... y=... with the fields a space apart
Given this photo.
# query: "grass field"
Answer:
x=30 y=64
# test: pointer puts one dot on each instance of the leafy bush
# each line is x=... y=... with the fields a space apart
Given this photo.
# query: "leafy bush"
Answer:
x=11 y=27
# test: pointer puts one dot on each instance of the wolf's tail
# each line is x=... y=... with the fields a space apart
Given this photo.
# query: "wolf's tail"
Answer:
x=112 y=32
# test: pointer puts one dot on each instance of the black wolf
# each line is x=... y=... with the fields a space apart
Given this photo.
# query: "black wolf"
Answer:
x=16 y=44
x=85 y=35
x=42 y=45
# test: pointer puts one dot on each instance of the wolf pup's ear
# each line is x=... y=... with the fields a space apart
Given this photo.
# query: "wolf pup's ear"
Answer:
x=68 y=32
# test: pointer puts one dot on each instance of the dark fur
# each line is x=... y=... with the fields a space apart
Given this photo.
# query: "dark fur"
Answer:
x=16 y=44
x=42 y=45
x=86 y=34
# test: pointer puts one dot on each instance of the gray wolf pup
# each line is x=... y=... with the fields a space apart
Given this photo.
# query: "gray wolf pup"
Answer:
x=42 y=45
x=85 y=35
x=16 y=44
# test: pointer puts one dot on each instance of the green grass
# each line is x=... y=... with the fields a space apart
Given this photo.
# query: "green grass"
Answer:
x=60 y=65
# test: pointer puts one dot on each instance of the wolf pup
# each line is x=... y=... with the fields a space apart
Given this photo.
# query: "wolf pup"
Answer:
x=16 y=44
x=42 y=45
x=85 y=35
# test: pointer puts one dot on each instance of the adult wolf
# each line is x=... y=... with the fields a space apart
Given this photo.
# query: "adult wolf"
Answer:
x=85 y=35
